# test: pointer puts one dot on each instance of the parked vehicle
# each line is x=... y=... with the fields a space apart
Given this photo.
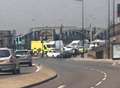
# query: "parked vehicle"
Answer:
x=75 y=43
x=8 y=61
x=53 y=53
x=65 y=54
x=96 y=43
x=24 y=57
x=38 y=47
x=71 y=50
x=58 y=44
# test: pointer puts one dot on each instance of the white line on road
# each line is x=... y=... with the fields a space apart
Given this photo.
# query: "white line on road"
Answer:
x=61 y=86
x=38 y=67
x=91 y=87
x=103 y=79
x=98 y=83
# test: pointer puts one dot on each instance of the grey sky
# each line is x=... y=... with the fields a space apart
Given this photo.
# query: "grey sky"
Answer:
x=24 y=14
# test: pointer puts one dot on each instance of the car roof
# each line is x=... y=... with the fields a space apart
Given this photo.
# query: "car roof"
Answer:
x=5 y=49
x=21 y=50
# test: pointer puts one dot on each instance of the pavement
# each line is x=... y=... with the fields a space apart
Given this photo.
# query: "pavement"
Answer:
x=42 y=74
x=78 y=58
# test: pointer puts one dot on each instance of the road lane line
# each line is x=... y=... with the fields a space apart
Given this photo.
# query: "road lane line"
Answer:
x=61 y=86
x=92 y=87
x=114 y=64
x=38 y=67
x=98 y=83
x=103 y=79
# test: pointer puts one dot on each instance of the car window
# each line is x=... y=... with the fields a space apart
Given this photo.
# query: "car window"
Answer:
x=21 y=52
x=4 y=53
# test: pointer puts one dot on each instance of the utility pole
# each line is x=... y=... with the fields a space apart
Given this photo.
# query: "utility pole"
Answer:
x=91 y=33
x=108 y=32
x=83 y=26
x=113 y=17
x=61 y=32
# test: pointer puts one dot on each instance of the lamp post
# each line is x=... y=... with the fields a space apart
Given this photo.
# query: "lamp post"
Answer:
x=82 y=25
x=108 y=32
x=113 y=17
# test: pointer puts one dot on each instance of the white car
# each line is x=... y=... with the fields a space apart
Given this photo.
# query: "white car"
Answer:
x=69 y=49
x=8 y=61
x=53 y=53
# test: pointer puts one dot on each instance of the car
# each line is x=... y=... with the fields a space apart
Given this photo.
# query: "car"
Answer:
x=64 y=54
x=71 y=50
x=53 y=53
x=8 y=61
x=24 y=57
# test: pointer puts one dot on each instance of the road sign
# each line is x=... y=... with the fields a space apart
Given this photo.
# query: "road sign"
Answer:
x=116 y=51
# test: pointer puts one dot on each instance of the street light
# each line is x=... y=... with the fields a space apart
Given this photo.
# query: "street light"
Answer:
x=82 y=24
x=108 y=32
x=109 y=26
x=113 y=17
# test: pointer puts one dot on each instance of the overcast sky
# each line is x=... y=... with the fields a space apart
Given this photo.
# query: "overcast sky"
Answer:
x=24 y=14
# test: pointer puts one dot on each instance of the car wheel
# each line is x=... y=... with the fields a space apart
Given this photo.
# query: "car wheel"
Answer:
x=16 y=71
x=30 y=64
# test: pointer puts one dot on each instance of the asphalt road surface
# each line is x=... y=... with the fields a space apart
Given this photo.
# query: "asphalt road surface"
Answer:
x=81 y=74
x=24 y=70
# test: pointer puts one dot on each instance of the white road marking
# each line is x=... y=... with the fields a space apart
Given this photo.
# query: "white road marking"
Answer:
x=61 y=86
x=114 y=63
x=103 y=79
x=98 y=83
x=102 y=72
x=38 y=67
x=92 y=87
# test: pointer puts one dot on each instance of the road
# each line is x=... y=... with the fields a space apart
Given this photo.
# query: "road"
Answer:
x=81 y=74
x=24 y=70
x=75 y=74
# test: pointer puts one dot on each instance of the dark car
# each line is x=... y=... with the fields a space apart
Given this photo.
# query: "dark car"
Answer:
x=76 y=52
x=65 y=54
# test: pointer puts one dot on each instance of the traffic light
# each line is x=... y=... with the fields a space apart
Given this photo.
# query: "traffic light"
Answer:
x=19 y=40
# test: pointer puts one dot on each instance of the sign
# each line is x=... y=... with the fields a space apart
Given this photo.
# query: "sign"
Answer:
x=116 y=51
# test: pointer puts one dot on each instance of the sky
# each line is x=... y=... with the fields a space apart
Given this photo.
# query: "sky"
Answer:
x=21 y=15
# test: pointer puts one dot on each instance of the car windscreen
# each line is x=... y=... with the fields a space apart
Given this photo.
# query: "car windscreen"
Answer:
x=21 y=52
x=4 y=53
x=51 y=46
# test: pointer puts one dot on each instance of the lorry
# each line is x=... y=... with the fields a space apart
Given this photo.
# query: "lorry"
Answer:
x=39 y=47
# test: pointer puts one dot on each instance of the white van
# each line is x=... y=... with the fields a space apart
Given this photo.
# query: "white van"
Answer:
x=58 y=44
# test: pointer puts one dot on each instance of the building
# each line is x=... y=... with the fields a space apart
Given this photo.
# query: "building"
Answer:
x=7 y=38
x=65 y=33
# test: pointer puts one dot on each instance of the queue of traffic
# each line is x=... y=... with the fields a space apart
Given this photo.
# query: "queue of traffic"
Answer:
x=11 y=60
x=57 y=49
